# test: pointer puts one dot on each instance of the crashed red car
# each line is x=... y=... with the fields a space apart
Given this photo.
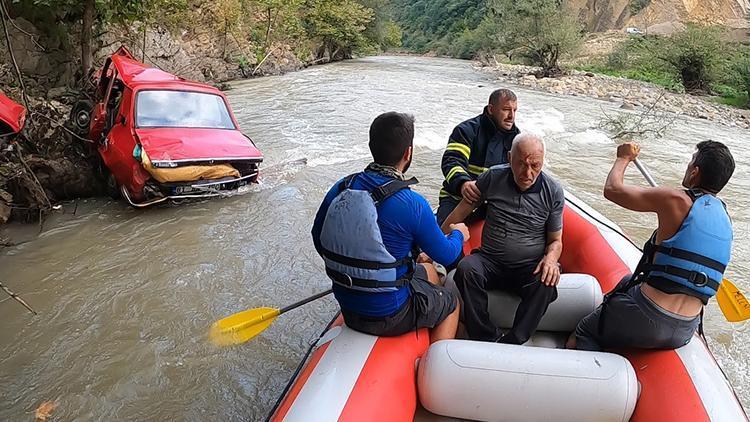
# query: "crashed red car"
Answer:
x=12 y=116
x=163 y=137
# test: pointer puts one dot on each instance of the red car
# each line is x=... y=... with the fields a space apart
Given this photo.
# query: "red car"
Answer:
x=163 y=137
x=12 y=117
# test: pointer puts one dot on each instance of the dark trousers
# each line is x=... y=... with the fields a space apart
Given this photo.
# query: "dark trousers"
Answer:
x=478 y=273
x=629 y=319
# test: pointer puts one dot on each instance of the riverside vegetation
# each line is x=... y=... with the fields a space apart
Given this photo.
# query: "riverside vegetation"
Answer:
x=58 y=43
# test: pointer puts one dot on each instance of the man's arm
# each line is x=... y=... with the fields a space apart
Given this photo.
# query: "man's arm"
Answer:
x=442 y=248
x=455 y=162
x=458 y=215
x=548 y=265
x=634 y=198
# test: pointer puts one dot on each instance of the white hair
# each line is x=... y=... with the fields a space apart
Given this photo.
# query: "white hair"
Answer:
x=528 y=136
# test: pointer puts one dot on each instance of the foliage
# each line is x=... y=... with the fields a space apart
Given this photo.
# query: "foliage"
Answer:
x=636 y=6
x=339 y=24
x=741 y=68
x=694 y=55
x=542 y=31
x=437 y=25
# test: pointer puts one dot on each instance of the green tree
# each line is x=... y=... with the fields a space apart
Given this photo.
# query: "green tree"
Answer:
x=694 y=55
x=101 y=12
x=339 y=25
x=741 y=68
x=541 y=30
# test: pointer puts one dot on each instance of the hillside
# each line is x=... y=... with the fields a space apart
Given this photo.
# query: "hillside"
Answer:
x=602 y=15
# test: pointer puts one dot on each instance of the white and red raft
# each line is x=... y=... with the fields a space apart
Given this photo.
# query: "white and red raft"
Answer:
x=351 y=376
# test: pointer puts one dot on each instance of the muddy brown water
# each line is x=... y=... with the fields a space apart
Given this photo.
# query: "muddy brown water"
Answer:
x=125 y=296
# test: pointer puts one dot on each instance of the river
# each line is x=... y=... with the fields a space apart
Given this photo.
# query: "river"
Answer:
x=125 y=296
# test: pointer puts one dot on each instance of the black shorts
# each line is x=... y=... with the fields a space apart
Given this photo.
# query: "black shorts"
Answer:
x=428 y=305
x=632 y=320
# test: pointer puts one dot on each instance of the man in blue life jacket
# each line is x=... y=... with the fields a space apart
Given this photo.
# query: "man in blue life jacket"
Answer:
x=474 y=146
x=682 y=265
x=521 y=243
x=367 y=231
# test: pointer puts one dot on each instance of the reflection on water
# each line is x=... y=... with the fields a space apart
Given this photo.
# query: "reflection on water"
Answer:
x=125 y=296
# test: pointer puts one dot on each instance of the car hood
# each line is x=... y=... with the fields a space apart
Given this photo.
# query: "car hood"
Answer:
x=12 y=113
x=177 y=145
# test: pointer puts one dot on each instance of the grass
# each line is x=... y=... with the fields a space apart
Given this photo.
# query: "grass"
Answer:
x=725 y=94
x=655 y=77
x=741 y=101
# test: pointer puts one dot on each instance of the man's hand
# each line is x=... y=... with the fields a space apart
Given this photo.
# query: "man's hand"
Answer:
x=423 y=258
x=463 y=229
x=628 y=151
x=550 y=271
x=470 y=191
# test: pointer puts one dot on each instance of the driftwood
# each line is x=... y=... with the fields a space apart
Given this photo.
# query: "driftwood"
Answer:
x=17 y=299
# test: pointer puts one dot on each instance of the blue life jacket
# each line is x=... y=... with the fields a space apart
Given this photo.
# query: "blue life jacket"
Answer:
x=351 y=244
x=692 y=261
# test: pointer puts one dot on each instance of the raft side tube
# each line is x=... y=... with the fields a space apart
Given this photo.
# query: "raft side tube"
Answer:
x=490 y=382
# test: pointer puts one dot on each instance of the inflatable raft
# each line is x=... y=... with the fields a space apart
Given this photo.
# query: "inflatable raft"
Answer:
x=350 y=376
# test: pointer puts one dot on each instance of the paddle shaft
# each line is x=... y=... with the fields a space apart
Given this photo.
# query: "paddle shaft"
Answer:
x=645 y=172
x=305 y=301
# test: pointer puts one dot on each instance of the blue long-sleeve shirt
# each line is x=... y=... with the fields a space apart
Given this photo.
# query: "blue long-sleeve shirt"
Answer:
x=405 y=220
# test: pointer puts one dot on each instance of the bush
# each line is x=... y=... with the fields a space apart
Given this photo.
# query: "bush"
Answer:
x=694 y=55
x=742 y=70
x=540 y=30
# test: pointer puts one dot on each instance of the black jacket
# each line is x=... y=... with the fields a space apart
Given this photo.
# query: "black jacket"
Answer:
x=474 y=146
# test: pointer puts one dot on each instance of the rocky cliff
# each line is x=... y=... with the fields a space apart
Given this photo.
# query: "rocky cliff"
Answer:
x=602 y=15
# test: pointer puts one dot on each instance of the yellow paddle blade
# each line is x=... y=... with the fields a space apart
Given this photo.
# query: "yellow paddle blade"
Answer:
x=732 y=302
x=242 y=326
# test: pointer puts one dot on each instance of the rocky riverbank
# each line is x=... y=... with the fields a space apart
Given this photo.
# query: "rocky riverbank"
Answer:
x=630 y=94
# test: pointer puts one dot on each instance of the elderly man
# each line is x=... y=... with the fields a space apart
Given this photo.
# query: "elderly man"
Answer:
x=683 y=262
x=475 y=145
x=521 y=242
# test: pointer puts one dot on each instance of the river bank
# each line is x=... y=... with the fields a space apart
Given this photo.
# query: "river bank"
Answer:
x=629 y=94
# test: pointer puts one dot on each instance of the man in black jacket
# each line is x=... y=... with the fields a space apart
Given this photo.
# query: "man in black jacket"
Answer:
x=474 y=146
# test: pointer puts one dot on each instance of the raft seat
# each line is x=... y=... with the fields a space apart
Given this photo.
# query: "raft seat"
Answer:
x=577 y=296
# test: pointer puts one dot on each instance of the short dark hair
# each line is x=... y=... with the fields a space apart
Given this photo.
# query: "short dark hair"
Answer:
x=716 y=165
x=500 y=94
x=390 y=135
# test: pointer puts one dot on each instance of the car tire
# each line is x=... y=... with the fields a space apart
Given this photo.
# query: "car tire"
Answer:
x=80 y=117
x=111 y=187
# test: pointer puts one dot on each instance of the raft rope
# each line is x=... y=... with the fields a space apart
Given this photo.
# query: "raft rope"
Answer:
x=299 y=368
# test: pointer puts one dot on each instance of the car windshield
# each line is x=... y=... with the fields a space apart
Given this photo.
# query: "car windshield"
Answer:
x=182 y=109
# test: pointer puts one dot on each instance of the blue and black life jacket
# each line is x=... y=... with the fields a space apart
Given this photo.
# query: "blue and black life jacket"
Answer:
x=352 y=245
x=693 y=261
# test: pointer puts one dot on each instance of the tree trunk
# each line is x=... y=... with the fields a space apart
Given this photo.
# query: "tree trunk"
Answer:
x=694 y=79
x=89 y=9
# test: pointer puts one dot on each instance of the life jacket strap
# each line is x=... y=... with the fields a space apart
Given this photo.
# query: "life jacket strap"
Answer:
x=699 y=279
x=348 y=281
x=692 y=257
x=365 y=264
x=383 y=192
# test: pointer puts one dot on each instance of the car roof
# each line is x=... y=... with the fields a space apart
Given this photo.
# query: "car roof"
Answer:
x=137 y=75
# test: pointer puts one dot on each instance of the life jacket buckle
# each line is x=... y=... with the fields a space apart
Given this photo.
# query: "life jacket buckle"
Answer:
x=349 y=281
x=700 y=279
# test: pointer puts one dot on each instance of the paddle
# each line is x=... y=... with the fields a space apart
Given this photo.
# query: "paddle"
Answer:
x=242 y=326
x=732 y=302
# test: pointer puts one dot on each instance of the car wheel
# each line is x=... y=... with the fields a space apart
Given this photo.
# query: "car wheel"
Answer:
x=80 y=117
x=113 y=189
